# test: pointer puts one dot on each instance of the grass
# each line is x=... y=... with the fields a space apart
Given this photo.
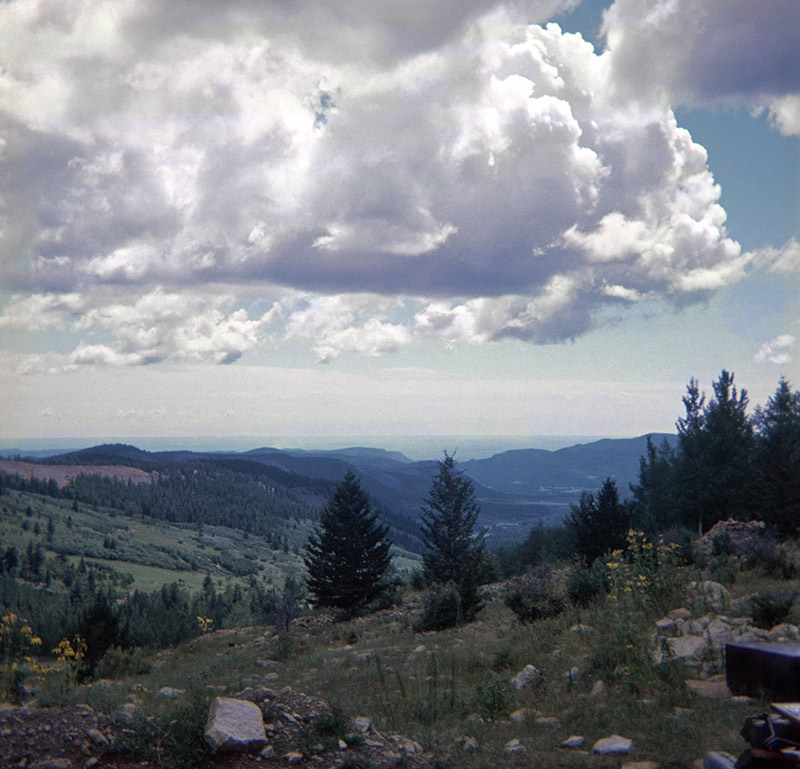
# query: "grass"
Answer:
x=375 y=666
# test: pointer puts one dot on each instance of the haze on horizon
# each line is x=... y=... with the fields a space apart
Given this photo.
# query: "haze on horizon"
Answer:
x=482 y=218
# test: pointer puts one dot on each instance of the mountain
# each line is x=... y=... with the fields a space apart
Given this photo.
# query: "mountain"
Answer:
x=515 y=489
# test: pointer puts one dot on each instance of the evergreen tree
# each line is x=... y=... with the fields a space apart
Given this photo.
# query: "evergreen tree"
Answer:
x=348 y=555
x=715 y=451
x=454 y=552
x=777 y=460
x=600 y=523
x=655 y=496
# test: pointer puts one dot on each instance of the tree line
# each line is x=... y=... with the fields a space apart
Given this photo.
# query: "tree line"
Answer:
x=726 y=463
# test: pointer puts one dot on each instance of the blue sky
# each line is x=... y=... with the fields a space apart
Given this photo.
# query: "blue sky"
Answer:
x=477 y=218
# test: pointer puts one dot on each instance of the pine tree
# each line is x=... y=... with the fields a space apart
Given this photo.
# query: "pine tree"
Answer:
x=347 y=557
x=454 y=552
x=777 y=460
x=600 y=523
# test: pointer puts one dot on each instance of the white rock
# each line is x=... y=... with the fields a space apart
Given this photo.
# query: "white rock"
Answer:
x=514 y=747
x=234 y=726
x=528 y=674
x=613 y=745
x=169 y=693
x=518 y=716
x=598 y=690
x=470 y=745
x=573 y=742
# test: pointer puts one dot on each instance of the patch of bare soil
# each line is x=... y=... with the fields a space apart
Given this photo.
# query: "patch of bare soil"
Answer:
x=63 y=474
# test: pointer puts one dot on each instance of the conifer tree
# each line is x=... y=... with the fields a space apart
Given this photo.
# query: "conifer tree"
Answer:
x=777 y=460
x=454 y=552
x=347 y=557
x=601 y=523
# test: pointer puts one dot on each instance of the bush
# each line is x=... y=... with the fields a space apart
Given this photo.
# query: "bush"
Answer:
x=494 y=696
x=587 y=584
x=535 y=596
x=441 y=608
x=772 y=608
x=119 y=663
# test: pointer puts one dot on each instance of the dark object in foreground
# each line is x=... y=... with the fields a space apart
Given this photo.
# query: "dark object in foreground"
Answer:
x=769 y=670
x=774 y=740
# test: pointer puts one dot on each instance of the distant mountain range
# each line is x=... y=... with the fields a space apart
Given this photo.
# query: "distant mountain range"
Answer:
x=516 y=489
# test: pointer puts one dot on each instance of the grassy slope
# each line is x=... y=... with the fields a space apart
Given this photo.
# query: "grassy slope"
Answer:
x=153 y=553
x=433 y=687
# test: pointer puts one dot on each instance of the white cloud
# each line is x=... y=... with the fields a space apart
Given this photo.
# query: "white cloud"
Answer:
x=700 y=51
x=776 y=351
x=489 y=171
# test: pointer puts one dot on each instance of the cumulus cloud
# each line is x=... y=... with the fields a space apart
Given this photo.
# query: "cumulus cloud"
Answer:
x=700 y=51
x=776 y=351
x=473 y=160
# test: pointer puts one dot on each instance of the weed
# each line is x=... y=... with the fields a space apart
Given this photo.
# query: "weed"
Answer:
x=171 y=739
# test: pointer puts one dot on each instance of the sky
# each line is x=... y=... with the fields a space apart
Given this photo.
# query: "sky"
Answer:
x=361 y=218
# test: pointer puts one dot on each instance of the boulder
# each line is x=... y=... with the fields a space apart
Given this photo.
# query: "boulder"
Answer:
x=513 y=747
x=613 y=746
x=689 y=648
x=711 y=594
x=235 y=726
x=528 y=674
x=573 y=742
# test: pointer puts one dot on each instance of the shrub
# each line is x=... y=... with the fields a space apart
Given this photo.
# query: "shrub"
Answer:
x=535 y=596
x=494 y=696
x=587 y=584
x=772 y=608
x=119 y=663
x=441 y=608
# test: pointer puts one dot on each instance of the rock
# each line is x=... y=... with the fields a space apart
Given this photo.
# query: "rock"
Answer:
x=518 y=716
x=573 y=673
x=528 y=674
x=169 y=693
x=406 y=745
x=550 y=722
x=91 y=762
x=270 y=677
x=613 y=746
x=573 y=742
x=234 y=726
x=267 y=752
x=689 y=648
x=680 y=614
x=710 y=690
x=362 y=724
x=513 y=747
x=421 y=649
x=783 y=632
x=293 y=757
x=666 y=625
x=640 y=765
x=598 y=690
x=342 y=745
x=718 y=633
x=580 y=628
x=470 y=745
x=711 y=594
x=54 y=763
x=98 y=738
x=126 y=712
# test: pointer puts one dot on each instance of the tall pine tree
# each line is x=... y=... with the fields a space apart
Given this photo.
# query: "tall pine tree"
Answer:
x=347 y=557
x=454 y=552
x=777 y=460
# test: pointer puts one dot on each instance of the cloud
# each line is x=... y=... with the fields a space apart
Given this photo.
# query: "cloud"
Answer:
x=157 y=327
x=708 y=51
x=777 y=351
x=486 y=170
